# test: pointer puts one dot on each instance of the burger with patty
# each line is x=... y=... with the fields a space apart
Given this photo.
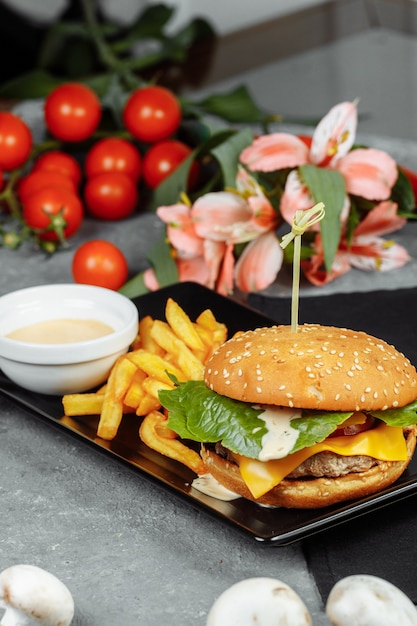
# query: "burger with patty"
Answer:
x=301 y=419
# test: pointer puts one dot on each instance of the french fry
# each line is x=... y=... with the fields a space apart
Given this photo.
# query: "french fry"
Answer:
x=155 y=365
x=190 y=365
x=135 y=392
x=172 y=448
x=146 y=341
x=125 y=370
x=147 y=404
x=182 y=326
x=82 y=404
x=152 y=386
x=112 y=409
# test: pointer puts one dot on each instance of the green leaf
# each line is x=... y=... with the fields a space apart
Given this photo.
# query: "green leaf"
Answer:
x=404 y=416
x=134 y=287
x=327 y=186
x=196 y=30
x=162 y=262
x=403 y=195
x=236 y=106
x=316 y=426
x=227 y=155
x=170 y=189
x=36 y=84
x=199 y=414
x=151 y=22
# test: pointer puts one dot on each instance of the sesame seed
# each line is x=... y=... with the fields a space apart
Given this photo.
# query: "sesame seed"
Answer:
x=258 y=389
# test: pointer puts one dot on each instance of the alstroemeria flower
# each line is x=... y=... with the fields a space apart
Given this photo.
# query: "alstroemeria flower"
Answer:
x=366 y=251
x=180 y=230
x=367 y=172
x=206 y=233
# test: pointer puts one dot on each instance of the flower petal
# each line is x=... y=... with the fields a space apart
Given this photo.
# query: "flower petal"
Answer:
x=378 y=254
x=335 y=133
x=213 y=256
x=220 y=216
x=225 y=280
x=150 y=280
x=259 y=263
x=194 y=270
x=275 y=152
x=368 y=173
x=296 y=197
x=383 y=219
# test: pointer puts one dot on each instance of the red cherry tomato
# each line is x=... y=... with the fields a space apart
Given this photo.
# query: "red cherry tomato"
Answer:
x=101 y=263
x=48 y=205
x=72 y=112
x=36 y=180
x=15 y=141
x=152 y=114
x=113 y=155
x=61 y=162
x=163 y=158
x=111 y=195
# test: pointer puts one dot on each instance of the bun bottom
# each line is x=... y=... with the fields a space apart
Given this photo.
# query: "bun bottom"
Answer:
x=313 y=493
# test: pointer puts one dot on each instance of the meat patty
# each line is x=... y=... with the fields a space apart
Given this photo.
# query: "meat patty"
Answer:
x=332 y=465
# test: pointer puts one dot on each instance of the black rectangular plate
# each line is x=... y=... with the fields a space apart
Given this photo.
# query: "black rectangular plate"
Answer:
x=268 y=526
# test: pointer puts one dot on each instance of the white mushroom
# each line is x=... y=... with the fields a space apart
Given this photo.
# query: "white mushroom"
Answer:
x=366 y=600
x=260 y=601
x=33 y=596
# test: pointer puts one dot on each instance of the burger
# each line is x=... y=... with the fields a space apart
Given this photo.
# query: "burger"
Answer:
x=301 y=419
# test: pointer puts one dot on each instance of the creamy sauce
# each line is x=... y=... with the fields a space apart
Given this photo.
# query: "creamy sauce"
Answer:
x=281 y=437
x=61 y=331
x=208 y=485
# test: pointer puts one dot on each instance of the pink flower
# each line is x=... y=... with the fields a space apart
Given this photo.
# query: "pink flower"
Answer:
x=366 y=251
x=367 y=172
x=204 y=235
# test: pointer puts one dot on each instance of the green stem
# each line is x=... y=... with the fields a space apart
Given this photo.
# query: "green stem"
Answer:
x=108 y=58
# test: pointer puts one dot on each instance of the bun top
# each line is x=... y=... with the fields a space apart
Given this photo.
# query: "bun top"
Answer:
x=317 y=367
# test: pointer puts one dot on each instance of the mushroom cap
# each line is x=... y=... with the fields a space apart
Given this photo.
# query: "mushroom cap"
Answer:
x=260 y=601
x=366 y=600
x=37 y=594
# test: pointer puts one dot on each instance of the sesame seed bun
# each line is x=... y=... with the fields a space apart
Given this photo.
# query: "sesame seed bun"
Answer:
x=314 y=492
x=321 y=368
x=317 y=367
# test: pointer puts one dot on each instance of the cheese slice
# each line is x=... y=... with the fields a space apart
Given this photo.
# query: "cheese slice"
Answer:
x=383 y=442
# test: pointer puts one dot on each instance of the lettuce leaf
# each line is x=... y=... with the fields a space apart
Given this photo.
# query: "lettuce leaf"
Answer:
x=404 y=416
x=197 y=413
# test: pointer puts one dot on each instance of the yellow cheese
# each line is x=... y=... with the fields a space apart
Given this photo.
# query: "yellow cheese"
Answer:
x=383 y=442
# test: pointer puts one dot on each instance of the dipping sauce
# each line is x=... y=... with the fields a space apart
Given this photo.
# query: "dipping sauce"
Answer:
x=208 y=485
x=61 y=331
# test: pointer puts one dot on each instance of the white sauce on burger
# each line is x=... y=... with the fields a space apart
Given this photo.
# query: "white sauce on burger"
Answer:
x=281 y=437
x=207 y=484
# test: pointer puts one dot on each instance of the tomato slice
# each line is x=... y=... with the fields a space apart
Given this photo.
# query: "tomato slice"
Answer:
x=355 y=424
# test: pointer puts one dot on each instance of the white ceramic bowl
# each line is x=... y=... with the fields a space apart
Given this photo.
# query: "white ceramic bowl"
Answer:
x=60 y=368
